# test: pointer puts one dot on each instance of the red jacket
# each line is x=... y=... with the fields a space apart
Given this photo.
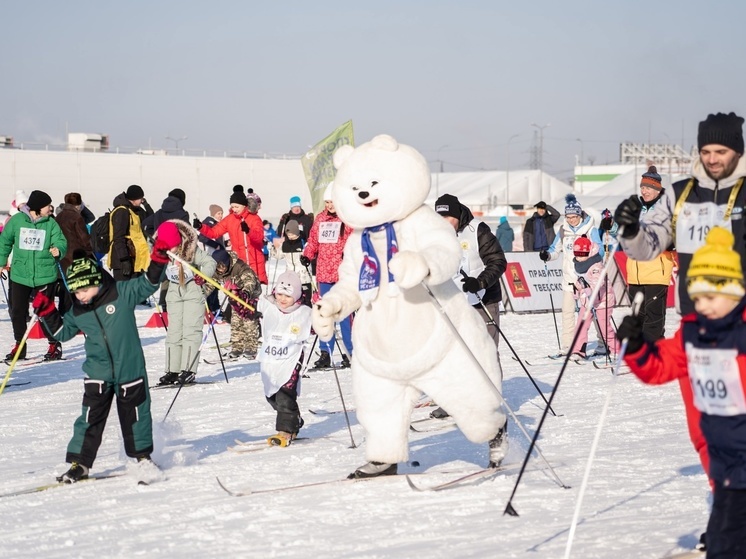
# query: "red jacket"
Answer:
x=328 y=254
x=247 y=246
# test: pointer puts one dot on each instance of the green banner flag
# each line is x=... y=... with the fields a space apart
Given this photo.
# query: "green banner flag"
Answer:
x=318 y=166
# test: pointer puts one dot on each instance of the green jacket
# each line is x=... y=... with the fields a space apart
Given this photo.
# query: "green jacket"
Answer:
x=30 y=242
x=113 y=350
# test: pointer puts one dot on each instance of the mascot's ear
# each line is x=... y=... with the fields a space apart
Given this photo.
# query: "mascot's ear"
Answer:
x=385 y=142
x=341 y=155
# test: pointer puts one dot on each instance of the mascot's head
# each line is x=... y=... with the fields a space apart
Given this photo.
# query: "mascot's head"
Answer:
x=378 y=182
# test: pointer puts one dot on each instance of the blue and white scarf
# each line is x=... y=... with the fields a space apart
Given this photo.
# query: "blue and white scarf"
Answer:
x=370 y=272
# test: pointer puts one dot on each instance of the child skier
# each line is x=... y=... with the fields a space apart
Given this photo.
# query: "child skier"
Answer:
x=103 y=309
x=589 y=268
x=291 y=250
x=710 y=349
x=186 y=307
x=286 y=324
x=238 y=277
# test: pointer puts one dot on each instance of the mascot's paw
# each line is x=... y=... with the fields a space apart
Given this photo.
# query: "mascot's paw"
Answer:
x=409 y=269
x=323 y=316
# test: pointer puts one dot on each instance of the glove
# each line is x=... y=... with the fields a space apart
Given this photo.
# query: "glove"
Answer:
x=197 y=224
x=245 y=227
x=126 y=268
x=168 y=238
x=199 y=280
x=229 y=285
x=43 y=304
x=631 y=329
x=544 y=255
x=305 y=261
x=606 y=224
x=471 y=285
x=627 y=215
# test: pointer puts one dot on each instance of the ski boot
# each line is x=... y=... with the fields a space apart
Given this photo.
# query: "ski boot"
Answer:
x=233 y=354
x=13 y=351
x=169 y=378
x=250 y=355
x=187 y=377
x=54 y=352
x=75 y=473
x=345 y=362
x=280 y=439
x=324 y=361
x=374 y=469
x=499 y=447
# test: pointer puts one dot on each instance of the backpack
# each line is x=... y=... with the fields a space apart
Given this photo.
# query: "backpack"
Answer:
x=100 y=234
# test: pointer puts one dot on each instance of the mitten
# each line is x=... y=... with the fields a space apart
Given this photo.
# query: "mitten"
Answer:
x=627 y=215
x=305 y=261
x=197 y=224
x=43 y=304
x=544 y=255
x=631 y=329
x=471 y=285
x=245 y=227
x=126 y=268
x=199 y=280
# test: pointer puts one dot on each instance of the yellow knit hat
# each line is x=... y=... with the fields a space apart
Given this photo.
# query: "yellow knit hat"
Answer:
x=716 y=268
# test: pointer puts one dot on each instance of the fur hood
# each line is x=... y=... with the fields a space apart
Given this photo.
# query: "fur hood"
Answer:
x=188 y=246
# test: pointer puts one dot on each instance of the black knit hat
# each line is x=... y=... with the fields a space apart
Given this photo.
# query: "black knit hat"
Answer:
x=723 y=129
x=222 y=257
x=37 y=200
x=238 y=196
x=448 y=205
x=83 y=272
x=134 y=192
x=179 y=194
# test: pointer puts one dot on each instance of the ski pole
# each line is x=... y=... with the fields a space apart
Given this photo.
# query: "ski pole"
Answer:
x=5 y=292
x=194 y=361
x=34 y=319
x=551 y=302
x=509 y=509
x=215 y=336
x=341 y=397
x=211 y=281
x=491 y=384
x=502 y=334
x=636 y=304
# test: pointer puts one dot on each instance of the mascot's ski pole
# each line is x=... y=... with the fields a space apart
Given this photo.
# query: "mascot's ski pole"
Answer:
x=636 y=305
x=32 y=322
x=499 y=330
x=509 y=509
x=551 y=303
x=471 y=355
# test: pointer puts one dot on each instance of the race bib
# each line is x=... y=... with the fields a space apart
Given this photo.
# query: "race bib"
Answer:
x=32 y=239
x=276 y=348
x=716 y=381
x=329 y=231
x=695 y=221
x=172 y=273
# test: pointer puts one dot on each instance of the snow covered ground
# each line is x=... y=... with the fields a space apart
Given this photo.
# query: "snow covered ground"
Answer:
x=646 y=496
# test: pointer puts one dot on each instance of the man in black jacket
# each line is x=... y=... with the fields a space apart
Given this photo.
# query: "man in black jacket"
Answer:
x=538 y=234
x=482 y=263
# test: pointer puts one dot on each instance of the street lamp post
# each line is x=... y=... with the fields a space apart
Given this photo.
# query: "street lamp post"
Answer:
x=541 y=154
x=507 y=171
x=581 y=163
x=437 y=177
x=177 y=140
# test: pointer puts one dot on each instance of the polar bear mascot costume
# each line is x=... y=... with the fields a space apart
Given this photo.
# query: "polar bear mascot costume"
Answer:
x=403 y=345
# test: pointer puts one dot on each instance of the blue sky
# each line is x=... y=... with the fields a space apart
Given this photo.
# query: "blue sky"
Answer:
x=456 y=80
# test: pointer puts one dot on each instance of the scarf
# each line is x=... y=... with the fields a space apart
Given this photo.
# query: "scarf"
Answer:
x=370 y=272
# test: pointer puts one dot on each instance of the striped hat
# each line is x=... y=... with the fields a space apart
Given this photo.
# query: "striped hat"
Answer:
x=652 y=179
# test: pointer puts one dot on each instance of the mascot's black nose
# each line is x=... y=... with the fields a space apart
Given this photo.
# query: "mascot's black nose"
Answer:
x=363 y=194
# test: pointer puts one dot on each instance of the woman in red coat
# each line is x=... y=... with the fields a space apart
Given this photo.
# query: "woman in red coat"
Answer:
x=245 y=230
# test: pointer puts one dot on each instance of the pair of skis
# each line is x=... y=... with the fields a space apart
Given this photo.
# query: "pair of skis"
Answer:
x=478 y=475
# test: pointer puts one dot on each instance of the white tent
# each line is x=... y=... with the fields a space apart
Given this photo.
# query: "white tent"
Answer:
x=483 y=190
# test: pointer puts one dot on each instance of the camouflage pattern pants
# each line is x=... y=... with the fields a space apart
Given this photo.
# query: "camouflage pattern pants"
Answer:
x=244 y=334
